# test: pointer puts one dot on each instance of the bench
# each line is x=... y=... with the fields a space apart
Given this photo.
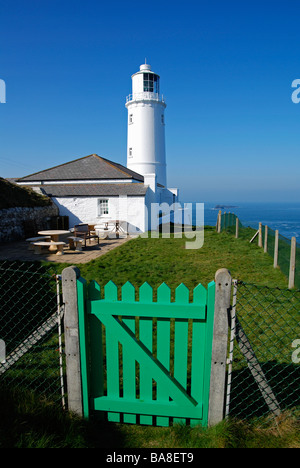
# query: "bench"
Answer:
x=36 y=239
x=83 y=231
x=39 y=245
x=75 y=243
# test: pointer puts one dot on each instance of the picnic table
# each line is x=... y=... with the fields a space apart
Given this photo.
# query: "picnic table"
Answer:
x=54 y=237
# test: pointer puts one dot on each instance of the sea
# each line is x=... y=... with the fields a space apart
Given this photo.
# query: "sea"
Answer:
x=283 y=216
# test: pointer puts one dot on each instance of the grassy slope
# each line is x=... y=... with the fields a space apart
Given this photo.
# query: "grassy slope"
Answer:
x=12 y=195
x=167 y=260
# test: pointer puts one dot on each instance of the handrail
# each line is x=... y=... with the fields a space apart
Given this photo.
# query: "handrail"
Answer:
x=145 y=96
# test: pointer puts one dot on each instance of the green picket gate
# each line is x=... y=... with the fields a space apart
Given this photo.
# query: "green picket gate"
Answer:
x=146 y=361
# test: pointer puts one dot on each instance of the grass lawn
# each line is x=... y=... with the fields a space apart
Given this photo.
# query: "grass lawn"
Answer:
x=28 y=421
x=166 y=260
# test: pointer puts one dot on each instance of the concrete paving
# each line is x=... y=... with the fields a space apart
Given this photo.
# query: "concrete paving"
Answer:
x=19 y=251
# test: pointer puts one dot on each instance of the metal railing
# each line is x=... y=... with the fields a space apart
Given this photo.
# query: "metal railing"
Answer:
x=147 y=96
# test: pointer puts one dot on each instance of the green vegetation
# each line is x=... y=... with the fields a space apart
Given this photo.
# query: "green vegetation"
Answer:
x=31 y=422
x=12 y=196
x=167 y=260
x=27 y=420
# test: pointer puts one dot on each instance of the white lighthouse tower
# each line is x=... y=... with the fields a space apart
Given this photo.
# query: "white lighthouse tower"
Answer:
x=146 y=126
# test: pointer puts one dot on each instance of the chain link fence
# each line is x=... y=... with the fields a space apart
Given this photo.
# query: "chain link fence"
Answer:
x=30 y=329
x=264 y=371
x=284 y=252
x=281 y=249
x=230 y=223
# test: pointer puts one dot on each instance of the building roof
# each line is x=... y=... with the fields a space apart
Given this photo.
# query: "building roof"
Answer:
x=94 y=190
x=92 y=167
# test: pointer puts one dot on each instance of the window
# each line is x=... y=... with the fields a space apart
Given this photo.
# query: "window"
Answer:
x=162 y=119
x=102 y=207
x=130 y=152
x=130 y=118
x=151 y=83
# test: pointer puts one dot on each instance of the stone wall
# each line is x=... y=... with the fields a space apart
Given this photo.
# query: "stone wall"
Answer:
x=12 y=219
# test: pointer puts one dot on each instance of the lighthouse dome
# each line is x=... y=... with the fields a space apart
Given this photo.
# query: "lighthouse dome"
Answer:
x=145 y=66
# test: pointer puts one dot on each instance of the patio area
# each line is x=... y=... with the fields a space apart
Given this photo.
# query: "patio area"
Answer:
x=19 y=251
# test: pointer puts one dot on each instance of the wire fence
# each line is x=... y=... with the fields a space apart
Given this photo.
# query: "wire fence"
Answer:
x=264 y=347
x=264 y=372
x=230 y=223
x=276 y=245
x=284 y=252
x=30 y=329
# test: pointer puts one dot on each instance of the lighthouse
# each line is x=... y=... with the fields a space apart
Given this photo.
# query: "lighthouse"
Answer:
x=146 y=152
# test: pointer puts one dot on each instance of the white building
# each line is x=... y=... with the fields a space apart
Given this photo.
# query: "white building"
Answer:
x=146 y=126
x=94 y=190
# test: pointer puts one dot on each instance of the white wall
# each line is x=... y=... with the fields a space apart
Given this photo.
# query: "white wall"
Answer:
x=135 y=210
x=85 y=210
x=146 y=139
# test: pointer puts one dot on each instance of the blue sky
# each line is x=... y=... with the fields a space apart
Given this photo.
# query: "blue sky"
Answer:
x=226 y=67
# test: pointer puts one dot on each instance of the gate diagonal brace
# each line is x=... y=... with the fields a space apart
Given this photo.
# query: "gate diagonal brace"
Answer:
x=146 y=359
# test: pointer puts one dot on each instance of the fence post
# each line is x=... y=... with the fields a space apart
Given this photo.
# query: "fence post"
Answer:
x=219 y=221
x=292 y=263
x=73 y=369
x=276 y=249
x=260 y=235
x=266 y=240
x=219 y=347
x=236 y=227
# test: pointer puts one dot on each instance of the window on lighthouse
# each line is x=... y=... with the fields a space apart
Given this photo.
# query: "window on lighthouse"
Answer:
x=151 y=83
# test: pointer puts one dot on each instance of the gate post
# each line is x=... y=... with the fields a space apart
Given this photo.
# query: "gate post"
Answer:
x=73 y=370
x=219 y=347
